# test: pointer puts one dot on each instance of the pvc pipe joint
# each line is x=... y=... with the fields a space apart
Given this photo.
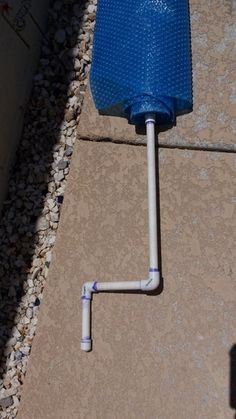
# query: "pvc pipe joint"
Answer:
x=88 y=289
x=153 y=282
x=150 y=117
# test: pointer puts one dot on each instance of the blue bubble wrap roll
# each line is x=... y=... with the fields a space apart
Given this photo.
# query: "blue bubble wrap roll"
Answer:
x=142 y=59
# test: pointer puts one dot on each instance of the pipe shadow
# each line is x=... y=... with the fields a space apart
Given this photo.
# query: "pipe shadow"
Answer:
x=31 y=173
x=232 y=379
x=141 y=129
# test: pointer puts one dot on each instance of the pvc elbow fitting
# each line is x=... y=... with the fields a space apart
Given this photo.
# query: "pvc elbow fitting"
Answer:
x=88 y=289
x=153 y=282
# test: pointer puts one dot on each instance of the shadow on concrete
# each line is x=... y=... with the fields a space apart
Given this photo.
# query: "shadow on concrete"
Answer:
x=232 y=379
x=141 y=130
x=32 y=171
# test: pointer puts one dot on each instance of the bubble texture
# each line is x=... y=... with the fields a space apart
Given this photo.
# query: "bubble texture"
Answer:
x=142 y=59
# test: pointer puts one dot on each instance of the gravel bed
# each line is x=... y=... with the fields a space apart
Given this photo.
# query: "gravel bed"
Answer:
x=37 y=182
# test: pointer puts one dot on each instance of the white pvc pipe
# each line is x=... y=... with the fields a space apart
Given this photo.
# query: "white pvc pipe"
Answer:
x=86 y=327
x=153 y=280
x=152 y=202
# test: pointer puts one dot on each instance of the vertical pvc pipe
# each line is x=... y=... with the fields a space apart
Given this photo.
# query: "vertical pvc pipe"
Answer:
x=150 y=121
x=86 y=342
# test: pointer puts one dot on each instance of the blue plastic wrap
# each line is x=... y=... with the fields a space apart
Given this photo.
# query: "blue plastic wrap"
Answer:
x=142 y=59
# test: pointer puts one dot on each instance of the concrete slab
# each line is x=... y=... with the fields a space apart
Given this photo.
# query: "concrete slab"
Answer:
x=164 y=356
x=213 y=122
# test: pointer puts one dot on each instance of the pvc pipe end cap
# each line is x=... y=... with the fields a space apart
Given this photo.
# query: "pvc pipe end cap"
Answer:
x=86 y=345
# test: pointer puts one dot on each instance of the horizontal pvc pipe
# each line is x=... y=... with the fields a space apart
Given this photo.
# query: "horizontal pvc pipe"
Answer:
x=119 y=286
x=153 y=280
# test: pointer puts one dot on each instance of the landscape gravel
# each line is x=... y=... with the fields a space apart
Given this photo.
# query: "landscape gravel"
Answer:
x=31 y=212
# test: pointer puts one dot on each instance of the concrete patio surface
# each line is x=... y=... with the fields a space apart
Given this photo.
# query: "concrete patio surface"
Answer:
x=154 y=357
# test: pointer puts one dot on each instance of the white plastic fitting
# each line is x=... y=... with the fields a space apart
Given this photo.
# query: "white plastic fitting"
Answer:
x=145 y=285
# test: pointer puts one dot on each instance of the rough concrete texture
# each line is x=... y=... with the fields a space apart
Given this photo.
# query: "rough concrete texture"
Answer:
x=154 y=357
x=213 y=122
x=18 y=65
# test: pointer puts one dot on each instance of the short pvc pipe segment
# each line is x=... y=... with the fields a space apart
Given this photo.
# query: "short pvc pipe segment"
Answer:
x=86 y=342
x=153 y=280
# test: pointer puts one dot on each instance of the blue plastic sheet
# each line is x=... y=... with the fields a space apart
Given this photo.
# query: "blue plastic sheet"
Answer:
x=142 y=59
